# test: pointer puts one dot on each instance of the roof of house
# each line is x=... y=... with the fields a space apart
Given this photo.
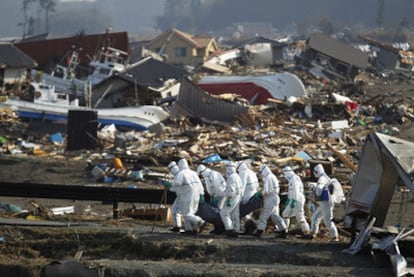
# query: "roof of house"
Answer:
x=203 y=41
x=152 y=72
x=259 y=39
x=196 y=41
x=11 y=56
x=338 y=50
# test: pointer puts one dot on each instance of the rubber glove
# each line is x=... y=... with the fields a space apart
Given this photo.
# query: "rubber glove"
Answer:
x=287 y=202
x=202 y=199
x=229 y=202
x=166 y=184
x=292 y=203
x=213 y=201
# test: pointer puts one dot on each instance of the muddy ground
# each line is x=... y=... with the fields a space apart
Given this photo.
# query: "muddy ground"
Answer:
x=133 y=247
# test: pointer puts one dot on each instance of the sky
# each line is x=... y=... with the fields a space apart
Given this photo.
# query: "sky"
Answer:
x=95 y=15
x=146 y=17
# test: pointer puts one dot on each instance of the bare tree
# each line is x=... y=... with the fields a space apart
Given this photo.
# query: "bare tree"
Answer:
x=25 y=8
x=380 y=13
x=31 y=27
x=48 y=6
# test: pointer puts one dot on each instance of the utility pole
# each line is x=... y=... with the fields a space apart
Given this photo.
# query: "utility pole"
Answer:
x=380 y=13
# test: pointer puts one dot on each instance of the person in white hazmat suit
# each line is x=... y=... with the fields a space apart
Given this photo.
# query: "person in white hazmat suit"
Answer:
x=230 y=213
x=191 y=193
x=271 y=203
x=250 y=188
x=249 y=180
x=175 y=209
x=215 y=185
x=296 y=201
x=326 y=198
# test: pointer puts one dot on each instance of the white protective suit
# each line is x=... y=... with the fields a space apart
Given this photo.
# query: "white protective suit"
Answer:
x=175 y=209
x=271 y=201
x=296 y=200
x=249 y=180
x=250 y=184
x=230 y=214
x=191 y=188
x=325 y=209
x=215 y=185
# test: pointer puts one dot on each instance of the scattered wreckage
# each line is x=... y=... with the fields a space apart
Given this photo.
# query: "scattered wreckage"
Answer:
x=329 y=121
x=385 y=166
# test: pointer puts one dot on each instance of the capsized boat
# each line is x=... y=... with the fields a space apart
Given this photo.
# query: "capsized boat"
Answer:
x=46 y=104
x=255 y=88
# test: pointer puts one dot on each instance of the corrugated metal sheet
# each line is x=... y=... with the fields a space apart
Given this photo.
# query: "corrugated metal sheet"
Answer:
x=193 y=101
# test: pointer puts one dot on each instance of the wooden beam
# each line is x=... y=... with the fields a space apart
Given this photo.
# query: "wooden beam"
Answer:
x=342 y=157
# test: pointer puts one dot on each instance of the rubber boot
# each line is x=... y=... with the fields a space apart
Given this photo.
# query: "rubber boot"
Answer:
x=232 y=234
x=281 y=234
x=258 y=233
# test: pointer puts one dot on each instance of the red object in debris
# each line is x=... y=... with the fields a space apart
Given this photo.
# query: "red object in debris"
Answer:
x=351 y=106
x=256 y=89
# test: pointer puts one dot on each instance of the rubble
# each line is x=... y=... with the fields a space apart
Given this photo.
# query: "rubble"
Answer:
x=329 y=124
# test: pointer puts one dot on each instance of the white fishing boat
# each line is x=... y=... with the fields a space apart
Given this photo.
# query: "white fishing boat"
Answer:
x=46 y=104
x=106 y=62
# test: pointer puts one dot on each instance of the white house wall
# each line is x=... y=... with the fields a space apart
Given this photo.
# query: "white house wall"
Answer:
x=13 y=75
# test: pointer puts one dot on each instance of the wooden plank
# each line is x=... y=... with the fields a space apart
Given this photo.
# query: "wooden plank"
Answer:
x=342 y=157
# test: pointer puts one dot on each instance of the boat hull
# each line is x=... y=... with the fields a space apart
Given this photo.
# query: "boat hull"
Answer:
x=255 y=89
x=138 y=118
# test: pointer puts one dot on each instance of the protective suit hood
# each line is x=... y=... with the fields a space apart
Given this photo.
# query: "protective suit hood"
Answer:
x=318 y=170
x=171 y=164
x=206 y=172
x=265 y=170
x=288 y=172
x=200 y=169
x=242 y=166
x=173 y=168
x=230 y=168
x=183 y=164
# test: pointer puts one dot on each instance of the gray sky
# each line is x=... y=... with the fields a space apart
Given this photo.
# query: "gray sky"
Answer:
x=134 y=16
x=139 y=17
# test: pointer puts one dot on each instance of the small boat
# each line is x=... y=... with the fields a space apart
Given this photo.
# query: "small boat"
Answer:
x=44 y=103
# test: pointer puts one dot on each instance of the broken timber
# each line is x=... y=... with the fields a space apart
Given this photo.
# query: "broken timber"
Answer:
x=347 y=162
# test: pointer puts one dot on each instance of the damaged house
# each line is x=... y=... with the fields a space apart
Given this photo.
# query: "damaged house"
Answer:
x=390 y=57
x=261 y=51
x=13 y=65
x=331 y=58
x=142 y=83
x=256 y=51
